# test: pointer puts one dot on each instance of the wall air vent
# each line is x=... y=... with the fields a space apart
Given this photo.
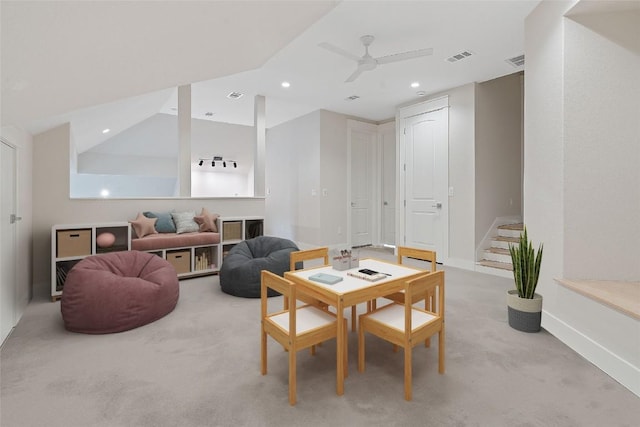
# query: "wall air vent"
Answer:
x=208 y=114
x=516 y=61
x=235 y=95
x=352 y=98
x=458 y=56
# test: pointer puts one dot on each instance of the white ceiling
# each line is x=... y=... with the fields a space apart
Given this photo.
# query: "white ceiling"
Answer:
x=254 y=45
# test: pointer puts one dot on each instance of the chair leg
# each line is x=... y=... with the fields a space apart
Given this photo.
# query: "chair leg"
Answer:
x=441 y=350
x=312 y=350
x=428 y=306
x=292 y=376
x=353 y=317
x=361 y=348
x=346 y=351
x=407 y=372
x=285 y=302
x=263 y=353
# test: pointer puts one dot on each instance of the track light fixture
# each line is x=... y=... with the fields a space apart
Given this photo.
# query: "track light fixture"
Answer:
x=215 y=159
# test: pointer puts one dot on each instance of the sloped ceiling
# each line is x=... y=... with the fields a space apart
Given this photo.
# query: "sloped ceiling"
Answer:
x=61 y=56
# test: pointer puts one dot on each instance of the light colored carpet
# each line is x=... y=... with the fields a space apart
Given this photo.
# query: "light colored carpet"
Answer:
x=200 y=366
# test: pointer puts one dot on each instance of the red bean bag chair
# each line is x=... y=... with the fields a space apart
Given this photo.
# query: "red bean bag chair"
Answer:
x=118 y=291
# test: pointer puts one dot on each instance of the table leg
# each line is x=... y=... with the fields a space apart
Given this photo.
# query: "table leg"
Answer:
x=340 y=350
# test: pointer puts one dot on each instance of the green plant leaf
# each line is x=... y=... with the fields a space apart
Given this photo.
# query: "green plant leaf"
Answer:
x=526 y=265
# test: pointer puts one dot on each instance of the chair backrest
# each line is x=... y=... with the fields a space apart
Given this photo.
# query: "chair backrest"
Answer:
x=432 y=283
x=420 y=254
x=308 y=255
x=287 y=288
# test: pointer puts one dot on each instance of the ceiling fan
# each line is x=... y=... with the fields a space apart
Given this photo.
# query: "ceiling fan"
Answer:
x=367 y=62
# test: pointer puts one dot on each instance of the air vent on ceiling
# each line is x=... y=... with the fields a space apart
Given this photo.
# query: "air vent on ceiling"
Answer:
x=208 y=114
x=516 y=61
x=458 y=56
x=235 y=95
x=352 y=98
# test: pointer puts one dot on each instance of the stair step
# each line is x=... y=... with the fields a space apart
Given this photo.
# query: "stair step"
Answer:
x=510 y=230
x=503 y=242
x=498 y=255
x=495 y=264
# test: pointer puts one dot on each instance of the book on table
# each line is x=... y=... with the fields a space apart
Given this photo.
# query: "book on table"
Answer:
x=367 y=276
x=327 y=279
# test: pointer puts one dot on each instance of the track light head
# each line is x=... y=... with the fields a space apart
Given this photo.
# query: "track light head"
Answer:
x=213 y=164
x=201 y=162
x=224 y=164
x=235 y=165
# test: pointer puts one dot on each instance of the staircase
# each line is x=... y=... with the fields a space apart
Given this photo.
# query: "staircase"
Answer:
x=497 y=256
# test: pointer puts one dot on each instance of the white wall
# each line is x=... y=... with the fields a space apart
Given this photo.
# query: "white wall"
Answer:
x=24 y=150
x=333 y=178
x=292 y=171
x=498 y=153
x=602 y=148
x=558 y=155
x=51 y=203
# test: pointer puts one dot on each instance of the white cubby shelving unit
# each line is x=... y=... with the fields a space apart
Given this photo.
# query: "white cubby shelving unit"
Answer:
x=71 y=243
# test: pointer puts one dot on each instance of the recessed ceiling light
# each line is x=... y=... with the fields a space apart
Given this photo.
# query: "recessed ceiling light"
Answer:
x=104 y=192
x=285 y=84
x=421 y=93
x=105 y=130
x=415 y=85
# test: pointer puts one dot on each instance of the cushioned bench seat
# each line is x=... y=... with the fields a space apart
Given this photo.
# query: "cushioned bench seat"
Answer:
x=172 y=240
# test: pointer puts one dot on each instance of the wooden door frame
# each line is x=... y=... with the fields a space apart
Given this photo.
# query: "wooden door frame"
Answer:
x=402 y=115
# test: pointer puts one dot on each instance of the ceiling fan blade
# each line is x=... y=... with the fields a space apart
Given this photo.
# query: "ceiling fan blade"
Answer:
x=403 y=56
x=339 y=51
x=355 y=75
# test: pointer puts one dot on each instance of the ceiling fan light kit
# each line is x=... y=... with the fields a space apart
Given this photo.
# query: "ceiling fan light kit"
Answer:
x=369 y=63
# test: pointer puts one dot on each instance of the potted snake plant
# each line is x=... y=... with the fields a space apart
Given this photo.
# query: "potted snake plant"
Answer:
x=523 y=303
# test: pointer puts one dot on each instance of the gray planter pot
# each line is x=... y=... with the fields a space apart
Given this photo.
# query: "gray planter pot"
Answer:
x=524 y=314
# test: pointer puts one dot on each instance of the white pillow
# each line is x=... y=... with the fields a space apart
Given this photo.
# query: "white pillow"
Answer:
x=184 y=222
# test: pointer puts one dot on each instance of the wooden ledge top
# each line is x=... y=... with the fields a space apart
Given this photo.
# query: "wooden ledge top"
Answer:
x=621 y=296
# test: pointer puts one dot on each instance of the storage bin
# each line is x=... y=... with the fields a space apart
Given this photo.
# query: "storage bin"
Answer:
x=73 y=243
x=232 y=230
x=181 y=260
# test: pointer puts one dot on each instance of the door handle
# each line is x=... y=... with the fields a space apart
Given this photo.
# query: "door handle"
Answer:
x=13 y=218
x=438 y=205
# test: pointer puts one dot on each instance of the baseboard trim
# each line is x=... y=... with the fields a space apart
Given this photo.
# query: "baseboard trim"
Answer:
x=459 y=263
x=617 y=368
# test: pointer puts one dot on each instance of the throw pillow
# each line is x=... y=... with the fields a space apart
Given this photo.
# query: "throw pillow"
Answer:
x=143 y=226
x=184 y=222
x=165 y=221
x=207 y=221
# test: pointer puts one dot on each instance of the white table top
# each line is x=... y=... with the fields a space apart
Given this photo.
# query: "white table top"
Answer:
x=349 y=283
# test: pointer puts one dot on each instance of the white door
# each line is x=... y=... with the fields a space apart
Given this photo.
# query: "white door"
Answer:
x=387 y=134
x=362 y=143
x=7 y=241
x=426 y=181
